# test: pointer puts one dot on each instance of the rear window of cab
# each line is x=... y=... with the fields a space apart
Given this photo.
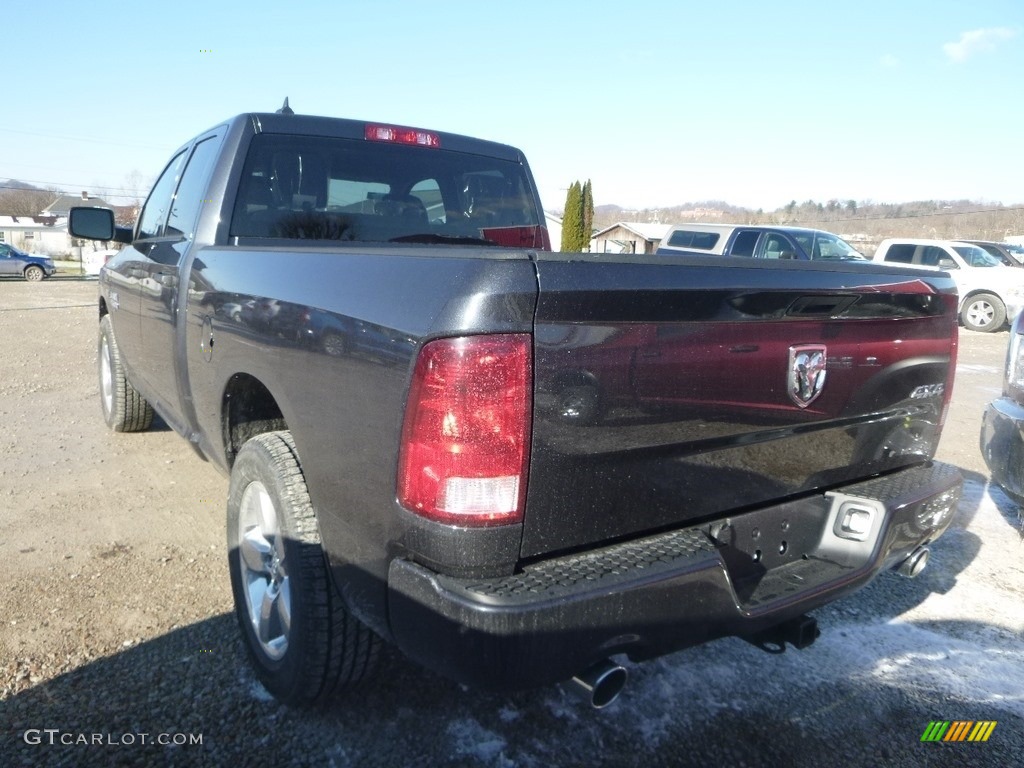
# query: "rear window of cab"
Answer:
x=301 y=187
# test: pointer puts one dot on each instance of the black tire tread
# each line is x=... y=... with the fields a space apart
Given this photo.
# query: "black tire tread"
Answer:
x=342 y=650
x=132 y=412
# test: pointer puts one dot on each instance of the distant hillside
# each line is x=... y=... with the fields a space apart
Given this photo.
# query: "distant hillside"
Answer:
x=15 y=184
x=19 y=198
x=865 y=221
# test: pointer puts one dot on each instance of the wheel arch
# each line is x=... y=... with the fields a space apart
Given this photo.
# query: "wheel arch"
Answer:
x=248 y=409
x=978 y=291
x=999 y=314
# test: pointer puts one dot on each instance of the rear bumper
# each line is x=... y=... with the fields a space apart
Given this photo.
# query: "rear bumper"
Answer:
x=651 y=596
x=1002 y=444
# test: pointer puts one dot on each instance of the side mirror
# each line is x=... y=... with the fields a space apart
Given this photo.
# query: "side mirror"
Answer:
x=96 y=224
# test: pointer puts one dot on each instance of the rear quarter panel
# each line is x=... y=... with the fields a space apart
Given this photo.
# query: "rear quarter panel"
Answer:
x=268 y=309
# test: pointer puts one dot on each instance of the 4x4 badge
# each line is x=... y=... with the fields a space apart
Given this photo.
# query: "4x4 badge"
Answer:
x=806 y=377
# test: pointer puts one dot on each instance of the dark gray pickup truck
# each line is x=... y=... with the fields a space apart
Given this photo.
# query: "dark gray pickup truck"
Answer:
x=515 y=465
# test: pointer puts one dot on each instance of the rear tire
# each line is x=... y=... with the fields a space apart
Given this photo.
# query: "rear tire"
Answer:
x=983 y=312
x=303 y=643
x=124 y=409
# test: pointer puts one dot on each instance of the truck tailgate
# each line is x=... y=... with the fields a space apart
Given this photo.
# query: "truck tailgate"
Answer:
x=687 y=390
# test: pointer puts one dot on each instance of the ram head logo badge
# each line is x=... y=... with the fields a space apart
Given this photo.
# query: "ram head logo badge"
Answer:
x=806 y=377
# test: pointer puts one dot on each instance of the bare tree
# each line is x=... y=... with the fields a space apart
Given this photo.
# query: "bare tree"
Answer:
x=19 y=201
x=136 y=187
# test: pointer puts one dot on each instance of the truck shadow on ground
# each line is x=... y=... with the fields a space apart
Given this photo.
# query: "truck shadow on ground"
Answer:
x=981 y=493
x=158 y=425
x=1009 y=508
x=196 y=680
x=870 y=692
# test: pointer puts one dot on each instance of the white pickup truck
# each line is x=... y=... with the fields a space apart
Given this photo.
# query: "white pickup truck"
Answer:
x=991 y=294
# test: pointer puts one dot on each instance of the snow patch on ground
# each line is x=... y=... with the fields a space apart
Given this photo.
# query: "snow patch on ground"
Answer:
x=974 y=672
x=965 y=368
x=255 y=687
x=470 y=739
x=967 y=645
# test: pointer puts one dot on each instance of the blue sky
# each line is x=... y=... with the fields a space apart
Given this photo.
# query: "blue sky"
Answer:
x=657 y=103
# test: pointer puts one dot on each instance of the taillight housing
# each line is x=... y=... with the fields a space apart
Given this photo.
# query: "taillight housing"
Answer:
x=399 y=134
x=947 y=395
x=466 y=436
x=519 y=237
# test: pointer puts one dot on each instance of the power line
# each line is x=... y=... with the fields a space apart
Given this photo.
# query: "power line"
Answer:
x=85 y=139
x=105 y=191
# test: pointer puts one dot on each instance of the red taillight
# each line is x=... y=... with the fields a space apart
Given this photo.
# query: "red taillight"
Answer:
x=400 y=135
x=466 y=437
x=519 y=237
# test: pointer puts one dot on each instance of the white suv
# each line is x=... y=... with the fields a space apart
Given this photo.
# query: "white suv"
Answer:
x=990 y=293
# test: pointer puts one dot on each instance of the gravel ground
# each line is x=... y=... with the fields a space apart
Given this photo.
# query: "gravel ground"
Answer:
x=118 y=644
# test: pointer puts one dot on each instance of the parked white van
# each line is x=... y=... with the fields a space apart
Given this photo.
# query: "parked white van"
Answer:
x=991 y=294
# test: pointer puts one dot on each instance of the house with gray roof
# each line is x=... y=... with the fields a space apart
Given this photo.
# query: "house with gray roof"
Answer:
x=64 y=203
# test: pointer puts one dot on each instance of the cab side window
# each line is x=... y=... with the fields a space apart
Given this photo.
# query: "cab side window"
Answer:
x=778 y=247
x=188 y=198
x=158 y=205
x=429 y=194
x=745 y=243
x=900 y=253
x=934 y=256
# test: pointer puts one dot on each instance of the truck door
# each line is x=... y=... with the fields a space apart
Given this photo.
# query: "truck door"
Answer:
x=775 y=245
x=125 y=274
x=164 y=250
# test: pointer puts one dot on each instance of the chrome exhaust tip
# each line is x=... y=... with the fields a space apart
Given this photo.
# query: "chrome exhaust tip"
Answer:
x=914 y=564
x=601 y=684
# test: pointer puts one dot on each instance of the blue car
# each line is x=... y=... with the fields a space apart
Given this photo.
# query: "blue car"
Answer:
x=14 y=261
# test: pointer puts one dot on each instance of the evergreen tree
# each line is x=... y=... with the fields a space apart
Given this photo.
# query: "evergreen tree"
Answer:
x=588 y=215
x=572 y=219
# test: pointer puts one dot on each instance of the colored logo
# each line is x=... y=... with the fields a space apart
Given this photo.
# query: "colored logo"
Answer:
x=958 y=730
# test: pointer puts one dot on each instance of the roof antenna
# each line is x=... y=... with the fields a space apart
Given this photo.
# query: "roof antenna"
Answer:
x=285 y=109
